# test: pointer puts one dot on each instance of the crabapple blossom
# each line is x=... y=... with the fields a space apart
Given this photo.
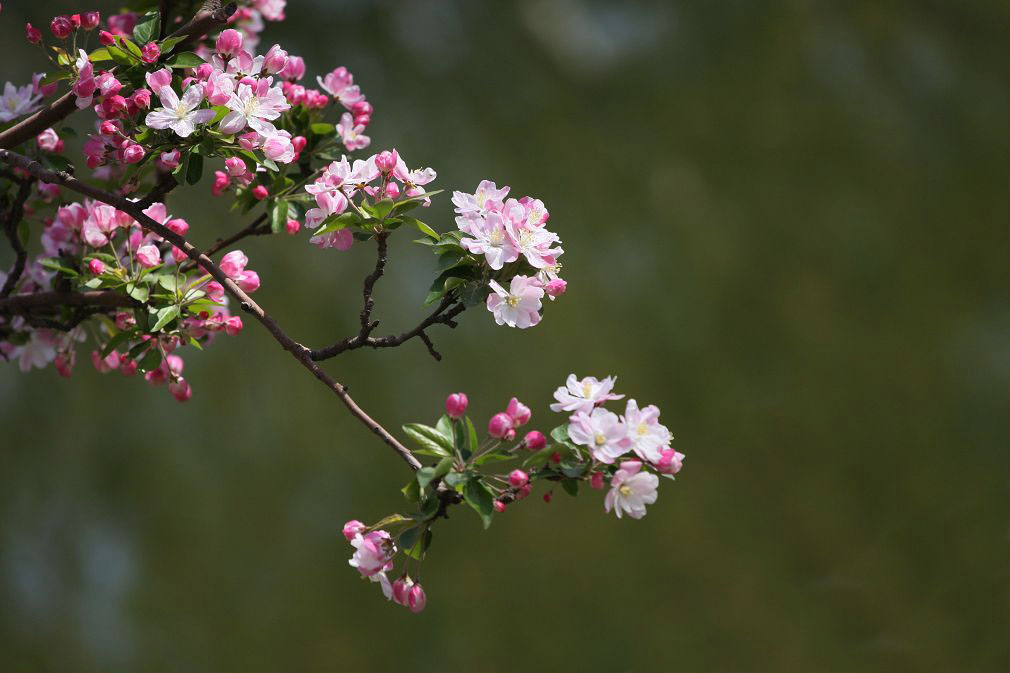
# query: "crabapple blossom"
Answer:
x=278 y=147
x=32 y=34
x=602 y=431
x=49 y=141
x=292 y=227
x=255 y=108
x=455 y=405
x=416 y=598
x=518 y=478
x=150 y=53
x=61 y=27
x=582 y=395
x=229 y=42
x=96 y=266
x=353 y=528
x=489 y=238
x=499 y=425
x=17 y=101
x=148 y=256
x=351 y=134
x=179 y=115
x=596 y=481
x=260 y=192
x=519 y=306
x=670 y=461
x=647 y=437
x=401 y=587
x=534 y=440
x=518 y=412
x=631 y=490
x=374 y=552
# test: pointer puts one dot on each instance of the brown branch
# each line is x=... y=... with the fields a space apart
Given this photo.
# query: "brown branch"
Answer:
x=212 y=15
x=10 y=227
x=254 y=229
x=369 y=285
x=23 y=303
x=297 y=351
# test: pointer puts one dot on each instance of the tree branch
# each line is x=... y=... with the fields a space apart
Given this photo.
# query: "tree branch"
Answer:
x=297 y=351
x=10 y=226
x=254 y=229
x=211 y=15
x=23 y=303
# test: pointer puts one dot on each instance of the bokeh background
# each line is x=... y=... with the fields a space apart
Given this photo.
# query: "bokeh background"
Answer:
x=785 y=223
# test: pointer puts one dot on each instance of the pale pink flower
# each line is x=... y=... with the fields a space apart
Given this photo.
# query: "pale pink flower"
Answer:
x=518 y=412
x=583 y=395
x=353 y=528
x=254 y=108
x=602 y=432
x=179 y=115
x=159 y=79
x=416 y=598
x=278 y=147
x=670 y=461
x=489 y=239
x=339 y=83
x=645 y=433
x=328 y=203
x=486 y=198
x=148 y=256
x=234 y=263
x=49 y=141
x=631 y=490
x=351 y=134
x=38 y=351
x=519 y=306
x=374 y=553
x=341 y=239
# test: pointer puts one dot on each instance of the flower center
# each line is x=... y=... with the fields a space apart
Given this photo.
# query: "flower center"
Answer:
x=642 y=429
x=587 y=390
x=625 y=490
x=600 y=439
x=251 y=106
x=512 y=300
x=497 y=237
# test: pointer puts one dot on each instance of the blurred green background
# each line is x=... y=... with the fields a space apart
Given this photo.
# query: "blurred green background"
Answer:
x=785 y=224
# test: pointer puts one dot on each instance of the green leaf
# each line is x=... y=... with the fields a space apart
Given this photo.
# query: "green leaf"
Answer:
x=422 y=227
x=445 y=426
x=278 y=216
x=540 y=458
x=194 y=171
x=220 y=112
x=480 y=499
x=56 y=266
x=168 y=44
x=138 y=292
x=571 y=486
x=455 y=479
x=426 y=475
x=472 y=444
x=429 y=438
x=411 y=491
x=408 y=539
x=165 y=316
x=322 y=129
x=150 y=361
x=148 y=28
x=116 y=341
x=130 y=47
x=118 y=55
x=335 y=222
x=186 y=59
x=59 y=76
x=167 y=281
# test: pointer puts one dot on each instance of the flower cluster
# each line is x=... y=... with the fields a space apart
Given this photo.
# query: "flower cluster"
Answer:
x=583 y=451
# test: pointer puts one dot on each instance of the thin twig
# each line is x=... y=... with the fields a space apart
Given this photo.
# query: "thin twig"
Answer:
x=297 y=351
x=369 y=285
x=10 y=227
x=253 y=229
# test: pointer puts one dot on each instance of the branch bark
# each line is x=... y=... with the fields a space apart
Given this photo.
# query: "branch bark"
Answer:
x=299 y=352
x=10 y=227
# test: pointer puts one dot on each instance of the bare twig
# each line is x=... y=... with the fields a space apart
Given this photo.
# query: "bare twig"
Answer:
x=10 y=227
x=369 y=285
x=297 y=351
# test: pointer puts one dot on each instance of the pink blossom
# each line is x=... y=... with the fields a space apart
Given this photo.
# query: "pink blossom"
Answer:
x=631 y=490
x=292 y=227
x=96 y=266
x=278 y=147
x=32 y=34
x=596 y=481
x=518 y=479
x=159 y=79
x=486 y=197
x=401 y=588
x=90 y=20
x=602 y=432
x=534 y=440
x=555 y=288
x=148 y=256
x=17 y=101
x=61 y=27
x=49 y=141
x=499 y=506
x=235 y=166
x=229 y=42
x=518 y=412
x=233 y=263
x=106 y=364
x=294 y=69
x=416 y=598
x=353 y=528
x=499 y=425
x=249 y=281
x=341 y=239
x=150 y=52
x=275 y=60
x=170 y=160
x=646 y=434
x=177 y=114
x=105 y=38
x=351 y=134
x=180 y=389
x=220 y=184
x=519 y=306
x=339 y=83
x=141 y=99
x=374 y=553
x=133 y=153
x=107 y=84
x=233 y=325
x=489 y=239
x=670 y=461
x=455 y=405
x=254 y=108
x=260 y=192
x=582 y=395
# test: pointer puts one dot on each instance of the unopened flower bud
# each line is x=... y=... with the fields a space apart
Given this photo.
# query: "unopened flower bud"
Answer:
x=534 y=440
x=385 y=161
x=235 y=166
x=180 y=389
x=519 y=412
x=455 y=405
x=596 y=481
x=96 y=266
x=518 y=479
x=548 y=496
x=133 y=153
x=293 y=226
x=499 y=506
x=32 y=34
x=260 y=192
x=499 y=425
x=352 y=528
x=106 y=39
x=150 y=54
x=61 y=26
x=416 y=598
x=229 y=42
x=90 y=20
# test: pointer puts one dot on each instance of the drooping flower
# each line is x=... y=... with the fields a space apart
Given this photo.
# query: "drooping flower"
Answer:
x=373 y=553
x=351 y=134
x=602 y=432
x=519 y=306
x=646 y=434
x=631 y=490
x=179 y=115
x=583 y=395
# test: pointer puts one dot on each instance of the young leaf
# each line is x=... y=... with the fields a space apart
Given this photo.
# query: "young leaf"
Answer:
x=148 y=28
x=480 y=499
x=411 y=491
x=194 y=171
x=165 y=316
x=186 y=59
x=429 y=438
x=278 y=216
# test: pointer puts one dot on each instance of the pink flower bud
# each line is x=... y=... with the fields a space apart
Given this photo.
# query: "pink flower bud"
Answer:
x=106 y=39
x=352 y=528
x=534 y=440
x=279 y=148
x=293 y=226
x=234 y=263
x=385 y=161
x=106 y=364
x=49 y=141
x=107 y=84
x=361 y=108
x=260 y=192
x=90 y=20
x=108 y=128
x=148 y=256
x=499 y=425
x=499 y=506
x=150 y=54
x=249 y=281
x=61 y=26
x=392 y=190
x=299 y=142
x=510 y=435
x=362 y=120
x=556 y=457
x=523 y=492
x=173 y=365
x=159 y=79
x=235 y=166
x=141 y=99
x=518 y=478
x=75 y=20
x=519 y=412
x=170 y=160
x=294 y=69
x=670 y=461
x=229 y=42
x=127 y=367
x=221 y=182
x=548 y=496
x=64 y=364
x=179 y=226
x=96 y=266
x=416 y=599
x=275 y=60
x=401 y=589
x=455 y=405
x=556 y=287
x=32 y=34
x=180 y=389
x=596 y=481
x=233 y=325
x=133 y=153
